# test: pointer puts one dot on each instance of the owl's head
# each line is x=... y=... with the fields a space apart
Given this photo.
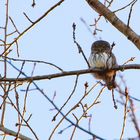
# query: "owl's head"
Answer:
x=100 y=46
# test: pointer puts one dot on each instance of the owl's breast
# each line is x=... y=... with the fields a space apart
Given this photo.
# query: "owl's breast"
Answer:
x=100 y=60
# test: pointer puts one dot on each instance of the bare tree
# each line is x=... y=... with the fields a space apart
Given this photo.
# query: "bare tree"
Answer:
x=20 y=81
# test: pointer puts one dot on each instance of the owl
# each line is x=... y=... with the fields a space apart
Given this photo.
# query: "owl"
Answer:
x=102 y=57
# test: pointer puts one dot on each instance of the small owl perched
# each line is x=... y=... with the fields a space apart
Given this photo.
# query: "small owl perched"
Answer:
x=102 y=57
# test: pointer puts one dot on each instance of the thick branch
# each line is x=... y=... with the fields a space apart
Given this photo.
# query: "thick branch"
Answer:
x=13 y=133
x=69 y=73
x=115 y=21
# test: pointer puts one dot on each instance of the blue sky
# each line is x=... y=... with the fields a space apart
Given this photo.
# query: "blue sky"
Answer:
x=51 y=40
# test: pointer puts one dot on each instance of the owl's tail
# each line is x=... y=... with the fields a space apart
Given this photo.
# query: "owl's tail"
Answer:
x=110 y=82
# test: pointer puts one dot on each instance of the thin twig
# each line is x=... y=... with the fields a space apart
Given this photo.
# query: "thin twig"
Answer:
x=14 y=25
x=23 y=63
x=35 y=61
x=5 y=95
x=119 y=90
x=130 y=60
x=89 y=123
x=74 y=88
x=131 y=108
x=130 y=13
x=28 y=17
x=61 y=131
x=87 y=26
x=125 y=113
x=115 y=106
x=11 y=33
x=95 y=25
x=17 y=47
x=32 y=25
x=95 y=101
x=18 y=108
x=33 y=3
x=133 y=117
x=24 y=108
x=77 y=122
x=78 y=46
x=33 y=69
x=110 y=2
x=123 y=7
x=86 y=110
x=23 y=119
x=5 y=63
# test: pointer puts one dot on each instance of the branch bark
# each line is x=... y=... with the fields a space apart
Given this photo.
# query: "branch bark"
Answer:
x=115 y=21
x=13 y=133
x=69 y=73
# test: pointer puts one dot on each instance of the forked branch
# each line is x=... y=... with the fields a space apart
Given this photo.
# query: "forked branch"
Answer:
x=115 y=21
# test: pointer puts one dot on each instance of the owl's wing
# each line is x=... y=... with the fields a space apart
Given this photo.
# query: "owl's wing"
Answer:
x=114 y=61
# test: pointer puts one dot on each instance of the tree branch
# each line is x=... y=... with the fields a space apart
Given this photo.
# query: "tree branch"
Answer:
x=33 y=24
x=70 y=73
x=13 y=133
x=55 y=106
x=115 y=21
